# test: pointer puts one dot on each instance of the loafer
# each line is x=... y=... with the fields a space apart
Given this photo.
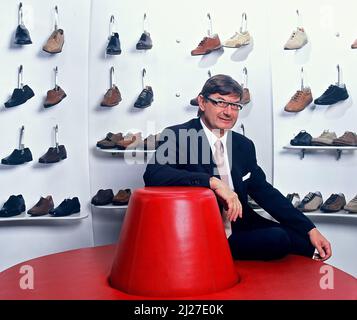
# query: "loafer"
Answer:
x=54 y=155
x=301 y=139
x=122 y=197
x=103 y=197
x=42 y=207
x=145 y=99
x=66 y=208
x=113 y=47
x=18 y=157
x=19 y=96
x=22 y=35
x=54 y=97
x=14 y=206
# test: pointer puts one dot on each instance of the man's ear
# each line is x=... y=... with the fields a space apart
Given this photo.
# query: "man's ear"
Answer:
x=200 y=100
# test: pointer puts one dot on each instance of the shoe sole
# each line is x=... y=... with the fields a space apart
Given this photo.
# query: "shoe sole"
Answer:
x=109 y=105
x=207 y=52
x=330 y=104
x=73 y=212
x=341 y=144
x=236 y=47
x=330 y=210
x=322 y=144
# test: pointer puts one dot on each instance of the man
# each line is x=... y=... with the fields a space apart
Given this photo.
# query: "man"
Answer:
x=230 y=169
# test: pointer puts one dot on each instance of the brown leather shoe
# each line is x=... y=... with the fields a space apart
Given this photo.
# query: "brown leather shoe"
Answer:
x=130 y=141
x=207 y=45
x=55 y=42
x=112 y=97
x=110 y=141
x=348 y=139
x=54 y=97
x=245 y=96
x=42 y=207
x=299 y=101
x=334 y=203
x=122 y=197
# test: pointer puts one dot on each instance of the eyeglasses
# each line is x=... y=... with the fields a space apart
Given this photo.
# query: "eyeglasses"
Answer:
x=224 y=104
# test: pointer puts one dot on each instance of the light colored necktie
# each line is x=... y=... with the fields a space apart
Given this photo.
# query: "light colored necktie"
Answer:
x=223 y=172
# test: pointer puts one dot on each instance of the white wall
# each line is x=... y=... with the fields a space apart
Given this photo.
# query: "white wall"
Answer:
x=23 y=240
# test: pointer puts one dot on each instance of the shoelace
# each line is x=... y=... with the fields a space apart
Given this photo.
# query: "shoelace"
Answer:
x=297 y=95
x=354 y=200
x=293 y=35
x=144 y=93
x=329 y=89
x=332 y=199
x=202 y=41
x=308 y=197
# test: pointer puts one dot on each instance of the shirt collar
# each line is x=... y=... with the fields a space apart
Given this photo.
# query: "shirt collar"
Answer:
x=212 y=138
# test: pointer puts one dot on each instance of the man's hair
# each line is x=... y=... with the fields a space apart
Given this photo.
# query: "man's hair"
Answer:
x=221 y=84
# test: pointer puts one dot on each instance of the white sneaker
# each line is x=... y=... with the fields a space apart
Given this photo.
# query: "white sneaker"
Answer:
x=239 y=39
x=297 y=40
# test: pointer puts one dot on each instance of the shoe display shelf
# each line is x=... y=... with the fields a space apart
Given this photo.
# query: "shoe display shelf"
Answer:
x=117 y=151
x=26 y=217
x=110 y=207
x=337 y=149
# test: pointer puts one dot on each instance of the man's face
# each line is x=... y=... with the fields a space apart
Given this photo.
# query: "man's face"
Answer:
x=216 y=117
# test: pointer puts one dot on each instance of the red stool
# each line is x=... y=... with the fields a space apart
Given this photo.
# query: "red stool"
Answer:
x=173 y=243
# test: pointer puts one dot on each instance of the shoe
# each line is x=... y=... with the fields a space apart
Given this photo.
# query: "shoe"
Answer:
x=151 y=142
x=112 y=97
x=297 y=40
x=55 y=42
x=334 y=203
x=22 y=35
x=113 y=47
x=54 y=155
x=347 y=139
x=300 y=100
x=294 y=198
x=103 y=197
x=325 y=139
x=130 y=141
x=207 y=45
x=14 y=206
x=110 y=141
x=54 y=97
x=145 y=99
x=252 y=203
x=144 y=42
x=245 y=96
x=19 y=96
x=301 y=139
x=354 y=45
x=332 y=95
x=66 y=208
x=238 y=40
x=194 y=102
x=122 y=197
x=351 y=207
x=42 y=207
x=18 y=157
x=311 y=202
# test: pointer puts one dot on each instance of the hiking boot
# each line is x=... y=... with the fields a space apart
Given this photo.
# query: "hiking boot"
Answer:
x=207 y=45
x=238 y=40
x=297 y=40
x=334 y=203
x=332 y=95
x=311 y=202
x=351 y=207
x=325 y=139
x=347 y=139
x=55 y=42
x=300 y=100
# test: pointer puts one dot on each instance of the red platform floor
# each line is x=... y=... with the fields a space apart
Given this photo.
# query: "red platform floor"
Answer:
x=83 y=274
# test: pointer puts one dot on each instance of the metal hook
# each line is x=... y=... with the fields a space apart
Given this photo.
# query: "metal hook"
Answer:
x=112 y=82
x=210 y=32
x=20 y=17
x=56 y=137
x=244 y=23
x=144 y=19
x=245 y=79
x=111 y=26
x=338 y=75
x=209 y=74
x=298 y=18
x=56 y=18
x=21 y=145
x=243 y=129
x=142 y=77
x=56 y=78
x=20 y=83
x=302 y=79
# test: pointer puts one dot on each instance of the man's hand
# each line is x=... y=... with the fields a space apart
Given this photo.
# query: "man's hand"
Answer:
x=233 y=207
x=321 y=244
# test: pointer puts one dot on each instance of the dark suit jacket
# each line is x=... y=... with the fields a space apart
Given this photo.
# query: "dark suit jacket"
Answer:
x=169 y=168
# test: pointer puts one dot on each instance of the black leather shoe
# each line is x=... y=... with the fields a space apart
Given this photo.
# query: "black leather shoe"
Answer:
x=18 y=157
x=103 y=197
x=19 y=96
x=194 y=102
x=113 y=47
x=332 y=95
x=54 y=155
x=66 y=208
x=144 y=42
x=14 y=206
x=146 y=97
x=302 y=139
x=22 y=35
